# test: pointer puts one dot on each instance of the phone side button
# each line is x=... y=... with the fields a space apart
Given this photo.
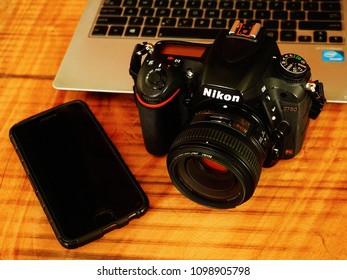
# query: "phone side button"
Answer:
x=109 y=228
x=43 y=205
x=131 y=216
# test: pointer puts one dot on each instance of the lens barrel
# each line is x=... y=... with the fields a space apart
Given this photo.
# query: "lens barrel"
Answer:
x=217 y=160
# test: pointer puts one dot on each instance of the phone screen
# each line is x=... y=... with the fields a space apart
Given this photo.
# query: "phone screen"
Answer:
x=77 y=173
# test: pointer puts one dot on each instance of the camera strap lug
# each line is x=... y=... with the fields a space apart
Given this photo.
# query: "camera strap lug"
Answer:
x=135 y=63
x=316 y=92
x=136 y=60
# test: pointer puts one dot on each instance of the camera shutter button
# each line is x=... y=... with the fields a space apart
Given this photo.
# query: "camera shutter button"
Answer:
x=155 y=79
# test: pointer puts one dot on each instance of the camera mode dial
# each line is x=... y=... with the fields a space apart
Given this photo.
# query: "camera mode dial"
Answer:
x=293 y=67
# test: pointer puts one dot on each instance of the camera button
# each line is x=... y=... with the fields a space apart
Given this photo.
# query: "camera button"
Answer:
x=177 y=62
x=190 y=74
x=155 y=79
x=150 y=62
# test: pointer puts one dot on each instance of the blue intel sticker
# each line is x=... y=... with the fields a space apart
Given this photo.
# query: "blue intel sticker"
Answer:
x=333 y=56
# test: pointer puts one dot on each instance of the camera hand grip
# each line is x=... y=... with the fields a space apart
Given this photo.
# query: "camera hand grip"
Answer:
x=159 y=125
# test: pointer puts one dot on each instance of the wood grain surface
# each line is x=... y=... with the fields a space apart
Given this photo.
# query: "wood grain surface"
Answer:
x=298 y=211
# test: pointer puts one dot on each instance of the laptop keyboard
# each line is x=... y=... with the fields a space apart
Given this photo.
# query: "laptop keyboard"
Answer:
x=317 y=21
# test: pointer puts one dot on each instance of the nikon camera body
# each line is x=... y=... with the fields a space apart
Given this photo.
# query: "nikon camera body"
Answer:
x=222 y=111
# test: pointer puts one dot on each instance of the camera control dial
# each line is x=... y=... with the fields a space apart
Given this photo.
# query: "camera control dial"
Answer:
x=155 y=79
x=293 y=67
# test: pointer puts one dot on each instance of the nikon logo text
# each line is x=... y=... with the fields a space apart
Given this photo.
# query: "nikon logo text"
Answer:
x=217 y=94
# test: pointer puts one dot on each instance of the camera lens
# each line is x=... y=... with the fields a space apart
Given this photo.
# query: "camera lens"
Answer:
x=216 y=184
x=213 y=166
x=217 y=160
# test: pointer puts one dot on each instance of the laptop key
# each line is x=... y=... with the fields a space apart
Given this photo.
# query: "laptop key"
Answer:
x=195 y=13
x=163 y=12
x=278 y=6
x=311 y=6
x=288 y=24
x=305 y=38
x=113 y=3
x=288 y=36
x=149 y=31
x=202 y=33
x=327 y=6
x=111 y=20
x=273 y=34
x=161 y=3
x=246 y=14
x=168 y=22
x=320 y=25
x=147 y=12
x=209 y=4
x=229 y=14
x=336 y=39
x=131 y=11
x=320 y=36
x=297 y=15
x=280 y=15
x=132 y=31
x=259 y=5
x=152 y=21
x=145 y=3
x=271 y=24
x=116 y=31
x=136 y=20
x=179 y=12
x=111 y=11
x=130 y=3
x=219 y=23
x=243 y=5
x=324 y=15
x=226 y=4
x=202 y=23
x=193 y=4
x=177 y=4
x=293 y=6
x=263 y=14
x=211 y=13
x=100 y=30
x=185 y=22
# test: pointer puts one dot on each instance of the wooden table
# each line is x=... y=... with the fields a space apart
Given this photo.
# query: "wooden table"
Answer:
x=299 y=209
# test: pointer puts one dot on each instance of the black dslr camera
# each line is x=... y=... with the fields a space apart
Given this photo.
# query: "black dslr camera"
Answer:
x=222 y=111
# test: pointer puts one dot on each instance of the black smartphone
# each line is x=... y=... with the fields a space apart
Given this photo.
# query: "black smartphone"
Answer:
x=82 y=182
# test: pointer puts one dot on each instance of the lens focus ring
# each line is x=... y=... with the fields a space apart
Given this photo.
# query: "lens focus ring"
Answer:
x=216 y=137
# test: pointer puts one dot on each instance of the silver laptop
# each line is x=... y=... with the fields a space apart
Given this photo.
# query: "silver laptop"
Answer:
x=99 y=54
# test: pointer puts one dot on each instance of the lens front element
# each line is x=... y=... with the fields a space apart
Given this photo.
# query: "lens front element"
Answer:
x=214 y=182
x=213 y=166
